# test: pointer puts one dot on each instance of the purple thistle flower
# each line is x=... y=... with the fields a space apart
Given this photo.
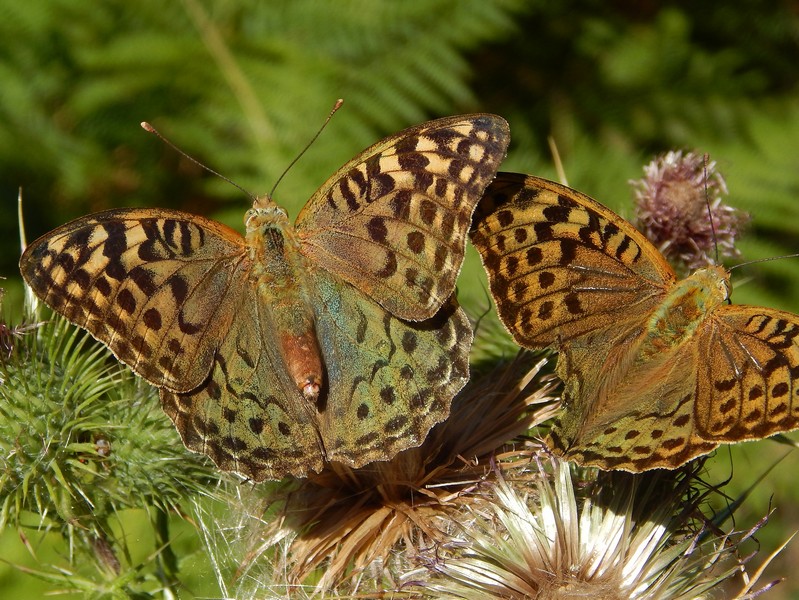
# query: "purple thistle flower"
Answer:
x=672 y=209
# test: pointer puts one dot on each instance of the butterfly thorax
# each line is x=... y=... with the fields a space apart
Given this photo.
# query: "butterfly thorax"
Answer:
x=683 y=310
x=280 y=273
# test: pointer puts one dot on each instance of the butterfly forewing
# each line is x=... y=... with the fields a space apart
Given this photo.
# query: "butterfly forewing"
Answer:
x=750 y=383
x=393 y=221
x=151 y=284
x=559 y=264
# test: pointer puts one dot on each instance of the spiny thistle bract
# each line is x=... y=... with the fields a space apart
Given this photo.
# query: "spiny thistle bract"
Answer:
x=550 y=531
x=81 y=441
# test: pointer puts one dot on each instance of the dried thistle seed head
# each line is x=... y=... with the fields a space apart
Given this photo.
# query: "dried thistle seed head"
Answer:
x=567 y=533
x=357 y=531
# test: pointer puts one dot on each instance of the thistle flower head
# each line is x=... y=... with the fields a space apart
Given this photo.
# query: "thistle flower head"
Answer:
x=352 y=531
x=559 y=532
x=78 y=437
x=672 y=201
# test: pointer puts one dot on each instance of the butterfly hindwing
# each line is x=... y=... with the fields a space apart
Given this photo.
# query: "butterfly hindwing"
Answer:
x=248 y=415
x=408 y=370
x=619 y=414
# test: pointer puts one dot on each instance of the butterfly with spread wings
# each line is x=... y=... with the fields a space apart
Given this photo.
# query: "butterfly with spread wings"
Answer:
x=657 y=371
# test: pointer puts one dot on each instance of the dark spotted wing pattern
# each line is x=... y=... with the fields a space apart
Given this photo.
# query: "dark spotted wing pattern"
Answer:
x=657 y=371
x=287 y=348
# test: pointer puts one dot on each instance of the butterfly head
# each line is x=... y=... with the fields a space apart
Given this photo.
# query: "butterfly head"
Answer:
x=264 y=214
x=715 y=281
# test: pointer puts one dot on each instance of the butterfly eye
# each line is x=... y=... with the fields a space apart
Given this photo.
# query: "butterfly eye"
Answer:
x=258 y=216
x=726 y=289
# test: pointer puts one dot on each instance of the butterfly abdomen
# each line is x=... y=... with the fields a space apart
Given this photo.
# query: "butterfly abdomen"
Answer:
x=279 y=274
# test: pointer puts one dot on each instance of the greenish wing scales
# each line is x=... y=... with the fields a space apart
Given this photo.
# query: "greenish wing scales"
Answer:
x=636 y=419
x=390 y=380
x=248 y=416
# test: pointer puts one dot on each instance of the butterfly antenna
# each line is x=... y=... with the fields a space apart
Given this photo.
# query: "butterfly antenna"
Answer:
x=762 y=260
x=710 y=212
x=336 y=106
x=149 y=128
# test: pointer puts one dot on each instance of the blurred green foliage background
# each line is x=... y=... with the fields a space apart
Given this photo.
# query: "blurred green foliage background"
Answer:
x=242 y=86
